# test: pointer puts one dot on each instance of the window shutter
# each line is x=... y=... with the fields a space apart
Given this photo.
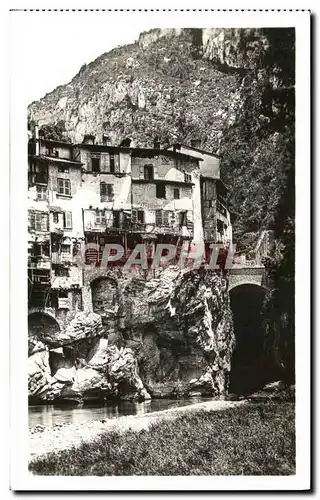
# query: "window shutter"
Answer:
x=159 y=217
x=67 y=187
x=68 y=220
x=31 y=220
x=110 y=191
x=44 y=222
x=165 y=218
x=104 y=162
x=103 y=188
x=38 y=222
x=116 y=164
x=88 y=162
x=141 y=172
x=155 y=172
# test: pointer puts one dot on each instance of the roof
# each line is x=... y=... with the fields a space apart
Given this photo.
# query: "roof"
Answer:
x=103 y=147
x=136 y=152
x=55 y=143
x=202 y=151
x=55 y=159
x=54 y=208
x=216 y=179
x=156 y=151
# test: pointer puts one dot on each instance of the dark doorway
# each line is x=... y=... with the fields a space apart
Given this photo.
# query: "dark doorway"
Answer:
x=248 y=357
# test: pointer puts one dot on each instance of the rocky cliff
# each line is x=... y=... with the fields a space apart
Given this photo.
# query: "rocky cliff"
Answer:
x=175 y=339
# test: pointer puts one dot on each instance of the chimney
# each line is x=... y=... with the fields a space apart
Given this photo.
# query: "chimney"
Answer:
x=125 y=142
x=195 y=143
x=156 y=143
x=106 y=140
x=88 y=139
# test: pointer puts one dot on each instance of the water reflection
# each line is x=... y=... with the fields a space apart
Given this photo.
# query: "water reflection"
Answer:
x=52 y=414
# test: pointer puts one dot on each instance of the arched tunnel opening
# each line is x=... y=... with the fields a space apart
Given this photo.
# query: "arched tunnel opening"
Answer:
x=247 y=365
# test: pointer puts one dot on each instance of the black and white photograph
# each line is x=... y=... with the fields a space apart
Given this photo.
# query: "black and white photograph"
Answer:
x=158 y=171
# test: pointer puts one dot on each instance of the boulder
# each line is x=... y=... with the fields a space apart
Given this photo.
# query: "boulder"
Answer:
x=84 y=326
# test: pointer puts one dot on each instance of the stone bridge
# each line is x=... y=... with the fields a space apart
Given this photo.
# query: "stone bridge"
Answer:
x=245 y=274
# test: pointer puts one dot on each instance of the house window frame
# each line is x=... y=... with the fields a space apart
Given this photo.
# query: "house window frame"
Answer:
x=148 y=168
x=138 y=216
x=97 y=158
x=164 y=217
x=42 y=194
x=187 y=177
x=39 y=218
x=64 y=189
x=162 y=186
x=176 y=193
x=106 y=191
x=65 y=248
x=100 y=218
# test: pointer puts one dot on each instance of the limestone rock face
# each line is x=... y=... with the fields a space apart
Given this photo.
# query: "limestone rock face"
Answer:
x=235 y=48
x=107 y=371
x=84 y=326
x=180 y=328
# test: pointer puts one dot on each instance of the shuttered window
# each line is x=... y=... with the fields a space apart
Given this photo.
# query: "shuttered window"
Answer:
x=162 y=217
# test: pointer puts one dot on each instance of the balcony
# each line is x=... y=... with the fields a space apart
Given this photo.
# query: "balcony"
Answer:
x=39 y=262
x=38 y=277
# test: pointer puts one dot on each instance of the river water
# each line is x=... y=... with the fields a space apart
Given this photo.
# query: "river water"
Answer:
x=53 y=414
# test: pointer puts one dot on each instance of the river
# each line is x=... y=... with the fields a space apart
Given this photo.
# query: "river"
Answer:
x=49 y=415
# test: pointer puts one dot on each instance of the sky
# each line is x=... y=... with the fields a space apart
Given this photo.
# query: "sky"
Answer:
x=57 y=44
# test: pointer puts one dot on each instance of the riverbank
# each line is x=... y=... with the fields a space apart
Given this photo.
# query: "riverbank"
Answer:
x=63 y=436
x=244 y=439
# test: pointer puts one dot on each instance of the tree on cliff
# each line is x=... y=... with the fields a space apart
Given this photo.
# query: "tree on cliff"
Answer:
x=258 y=162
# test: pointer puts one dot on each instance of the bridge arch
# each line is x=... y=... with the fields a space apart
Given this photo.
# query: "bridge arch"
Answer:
x=246 y=301
x=42 y=324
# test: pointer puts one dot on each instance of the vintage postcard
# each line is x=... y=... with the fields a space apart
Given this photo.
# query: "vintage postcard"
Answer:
x=160 y=197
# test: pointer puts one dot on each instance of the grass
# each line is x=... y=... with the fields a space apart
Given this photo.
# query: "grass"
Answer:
x=246 y=440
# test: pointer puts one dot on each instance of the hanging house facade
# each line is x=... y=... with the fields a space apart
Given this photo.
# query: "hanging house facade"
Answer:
x=102 y=194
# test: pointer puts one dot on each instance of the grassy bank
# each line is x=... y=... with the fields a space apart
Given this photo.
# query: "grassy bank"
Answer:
x=256 y=439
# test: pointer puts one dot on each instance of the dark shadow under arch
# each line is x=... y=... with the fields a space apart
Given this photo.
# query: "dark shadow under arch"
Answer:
x=248 y=357
x=41 y=325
